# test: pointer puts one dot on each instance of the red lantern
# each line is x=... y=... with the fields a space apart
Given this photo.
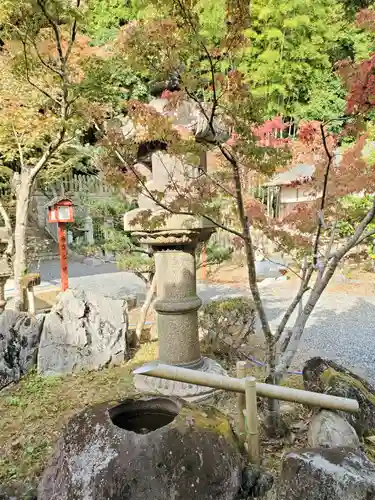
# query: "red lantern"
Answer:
x=60 y=210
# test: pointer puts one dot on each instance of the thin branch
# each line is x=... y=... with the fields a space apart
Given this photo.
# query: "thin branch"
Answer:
x=45 y=63
x=51 y=149
x=246 y=236
x=33 y=84
x=324 y=194
x=213 y=180
x=367 y=235
x=141 y=250
x=284 y=265
x=18 y=146
x=73 y=35
x=317 y=291
x=55 y=28
x=211 y=63
x=304 y=287
x=330 y=244
x=357 y=237
x=140 y=275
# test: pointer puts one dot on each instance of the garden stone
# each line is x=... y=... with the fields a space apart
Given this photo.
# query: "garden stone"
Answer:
x=325 y=474
x=147 y=448
x=328 y=377
x=329 y=430
x=83 y=331
x=19 y=342
x=228 y=320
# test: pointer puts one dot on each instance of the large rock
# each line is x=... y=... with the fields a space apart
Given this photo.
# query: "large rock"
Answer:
x=228 y=320
x=145 y=449
x=330 y=378
x=19 y=341
x=83 y=331
x=328 y=430
x=325 y=474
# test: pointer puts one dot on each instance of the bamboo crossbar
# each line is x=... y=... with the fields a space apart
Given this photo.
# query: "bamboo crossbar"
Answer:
x=197 y=377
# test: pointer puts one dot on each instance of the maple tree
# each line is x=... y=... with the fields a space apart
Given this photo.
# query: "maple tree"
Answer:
x=42 y=111
x=207 y=76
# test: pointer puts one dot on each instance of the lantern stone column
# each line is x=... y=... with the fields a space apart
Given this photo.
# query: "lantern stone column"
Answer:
x=177 y=301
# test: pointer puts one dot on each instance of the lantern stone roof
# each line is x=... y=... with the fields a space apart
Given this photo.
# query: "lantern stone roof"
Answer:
x=56 y=200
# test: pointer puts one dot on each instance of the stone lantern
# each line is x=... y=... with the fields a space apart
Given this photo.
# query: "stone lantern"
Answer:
x=174 y=241
x=5 y=270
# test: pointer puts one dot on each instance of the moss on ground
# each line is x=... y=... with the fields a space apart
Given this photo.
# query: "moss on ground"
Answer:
x=33 y=412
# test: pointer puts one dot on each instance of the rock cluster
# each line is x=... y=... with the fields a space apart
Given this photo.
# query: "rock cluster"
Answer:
x=335 y=467
x=83 y=331
x=19 y=342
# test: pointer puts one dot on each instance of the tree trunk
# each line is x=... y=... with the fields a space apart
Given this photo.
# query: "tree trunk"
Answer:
x=299 y=325
x=145 y=308
x=273 y=419
x=20 y=263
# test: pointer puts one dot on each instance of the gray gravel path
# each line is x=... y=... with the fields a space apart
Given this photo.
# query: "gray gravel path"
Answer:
x=342 y=327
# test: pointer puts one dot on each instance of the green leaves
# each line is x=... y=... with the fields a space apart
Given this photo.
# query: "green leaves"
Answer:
x=289 y=45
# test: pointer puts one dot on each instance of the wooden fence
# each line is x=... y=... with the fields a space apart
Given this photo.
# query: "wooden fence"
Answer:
x=78 y=184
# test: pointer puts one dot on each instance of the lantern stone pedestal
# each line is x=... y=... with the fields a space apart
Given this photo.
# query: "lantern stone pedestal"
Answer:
x=177 y=302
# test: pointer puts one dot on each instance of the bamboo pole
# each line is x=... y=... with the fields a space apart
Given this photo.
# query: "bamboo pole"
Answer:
x=197 y=377
x=241 y=402
x=252 y=433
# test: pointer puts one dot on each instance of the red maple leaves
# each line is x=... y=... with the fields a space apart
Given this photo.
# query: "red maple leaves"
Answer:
x=360 y=78
x=269 y=133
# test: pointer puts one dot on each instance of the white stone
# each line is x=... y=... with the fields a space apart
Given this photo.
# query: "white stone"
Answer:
x=329 y=430
x=83 y=331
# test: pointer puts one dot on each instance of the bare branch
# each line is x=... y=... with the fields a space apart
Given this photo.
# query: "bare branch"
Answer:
x=324 y=194
x=330 y=244
x=284 y=265
x=319 y=287
x=208 y=55
x=141 y=250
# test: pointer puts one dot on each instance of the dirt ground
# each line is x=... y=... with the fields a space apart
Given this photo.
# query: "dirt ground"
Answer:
x=357 y=280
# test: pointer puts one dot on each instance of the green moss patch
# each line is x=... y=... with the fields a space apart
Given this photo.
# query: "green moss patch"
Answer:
x=33 y=412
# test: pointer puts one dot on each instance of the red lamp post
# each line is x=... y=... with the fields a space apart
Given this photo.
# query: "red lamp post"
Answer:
x=60 y=210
